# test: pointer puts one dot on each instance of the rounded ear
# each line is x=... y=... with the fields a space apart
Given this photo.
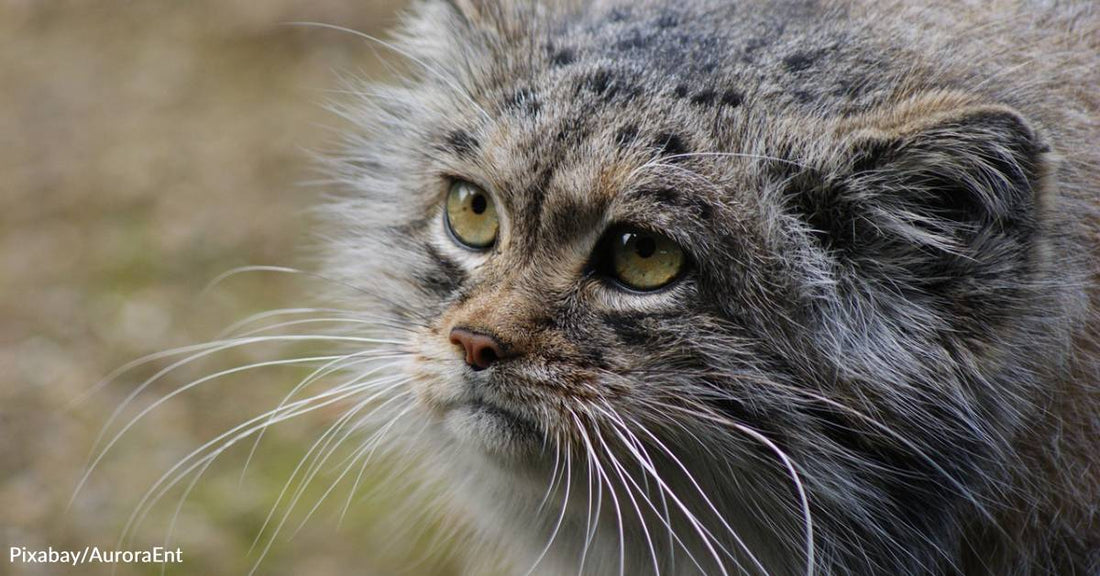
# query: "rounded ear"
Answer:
x=953 y=174
x=939 y=194
x=933 y=175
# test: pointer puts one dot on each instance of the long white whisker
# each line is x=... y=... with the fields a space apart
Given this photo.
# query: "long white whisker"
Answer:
x=553 y=478
x=326 y=320
x=709 y=540
x=366 y=449
x=796 y=479
x=567 y=474
x=226 y=440
x=702 y=494
x=228 y=331
x=594 y=483
x=114 y=440
x=610 y=488
x=375 y=442
x=338 y=364
x=218 y=346
x=623 y=474
x=179 y=507
x=318 y=445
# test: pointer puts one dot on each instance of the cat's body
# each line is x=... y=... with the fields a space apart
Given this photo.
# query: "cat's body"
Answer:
x=887 y=325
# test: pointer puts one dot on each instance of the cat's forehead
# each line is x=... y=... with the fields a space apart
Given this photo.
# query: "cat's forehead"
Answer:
x=595 y=96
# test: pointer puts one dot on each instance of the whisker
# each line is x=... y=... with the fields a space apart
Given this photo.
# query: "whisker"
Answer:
x=567 y=475
x=333 y=366
x=367 y=449
x=623 y=475
x=214 y=347
x=591 y=526
x=796 y=479
x=553 y=478
x=114 y=440
x=317 y=445
x=227 y=439
x=261 y=316
x=328 y=320
x=366 y=460
x=610 y=488
x=708 y=538
x=377 y=295
x=702 y=493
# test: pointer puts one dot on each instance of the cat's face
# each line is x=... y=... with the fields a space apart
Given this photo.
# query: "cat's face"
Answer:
x=589 y=247
x=688 y=257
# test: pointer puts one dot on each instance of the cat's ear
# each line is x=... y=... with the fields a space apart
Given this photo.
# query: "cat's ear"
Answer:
x=937 y=186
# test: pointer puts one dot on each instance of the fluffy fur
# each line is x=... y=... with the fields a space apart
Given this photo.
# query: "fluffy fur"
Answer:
x=883 y=359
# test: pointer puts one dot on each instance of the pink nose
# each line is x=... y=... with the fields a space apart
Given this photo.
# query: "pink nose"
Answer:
x=481 y=350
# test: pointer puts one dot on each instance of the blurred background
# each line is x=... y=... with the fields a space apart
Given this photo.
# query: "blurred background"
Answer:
x=146 y=147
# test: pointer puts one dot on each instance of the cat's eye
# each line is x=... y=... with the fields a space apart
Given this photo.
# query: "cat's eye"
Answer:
x=471 y=215
x=639 y=259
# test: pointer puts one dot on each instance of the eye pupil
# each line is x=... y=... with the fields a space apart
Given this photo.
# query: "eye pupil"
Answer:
x=478 y=204
x=639 y=259
x=471 y=216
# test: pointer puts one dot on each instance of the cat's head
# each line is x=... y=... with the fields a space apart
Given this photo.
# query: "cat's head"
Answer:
x=630 y=233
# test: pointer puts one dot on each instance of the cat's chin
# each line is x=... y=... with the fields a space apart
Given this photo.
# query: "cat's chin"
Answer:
x=494 y=431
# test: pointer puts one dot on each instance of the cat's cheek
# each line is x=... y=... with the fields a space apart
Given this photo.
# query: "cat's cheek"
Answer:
x=434 y=379
x=434 y=391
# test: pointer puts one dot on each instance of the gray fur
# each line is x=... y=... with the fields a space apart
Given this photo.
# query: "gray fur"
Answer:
x=891 y=214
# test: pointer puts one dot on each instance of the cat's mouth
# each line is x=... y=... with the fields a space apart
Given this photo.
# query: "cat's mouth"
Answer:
x=492 y=427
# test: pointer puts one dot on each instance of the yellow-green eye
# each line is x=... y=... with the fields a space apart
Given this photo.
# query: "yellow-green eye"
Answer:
x=642 y=260
x=471 y=215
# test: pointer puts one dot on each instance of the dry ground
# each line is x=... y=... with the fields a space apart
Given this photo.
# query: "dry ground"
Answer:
x=145 y=147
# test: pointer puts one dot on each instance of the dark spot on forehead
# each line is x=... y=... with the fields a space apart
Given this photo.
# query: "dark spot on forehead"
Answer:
x=674 y=198
x=626 y=135
x=533 y=197
x=732 y=98
x=563 y=217
x=461 y=142
x=681 y=90
x=804 y=96
x=668 y=20
x=618 y=14
x=608 y=86
x=664 y=196
x=798 y=61
x=704 y=97
x=563 y=57
x=524 y=100
x=632 y=40
x=669 y=144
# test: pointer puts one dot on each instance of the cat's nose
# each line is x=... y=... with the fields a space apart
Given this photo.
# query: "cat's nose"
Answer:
x=482 y=350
